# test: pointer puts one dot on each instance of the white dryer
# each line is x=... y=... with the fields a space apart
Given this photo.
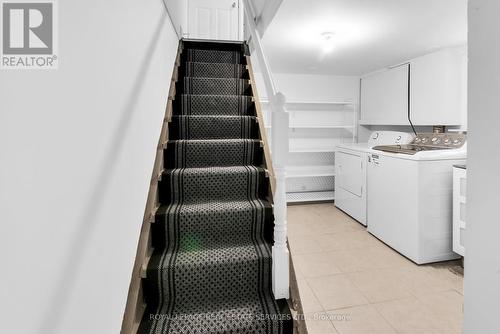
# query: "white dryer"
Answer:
x=350 y=171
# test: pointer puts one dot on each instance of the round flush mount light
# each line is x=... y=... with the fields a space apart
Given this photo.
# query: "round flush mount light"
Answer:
x=328 y=40
x=327 y=36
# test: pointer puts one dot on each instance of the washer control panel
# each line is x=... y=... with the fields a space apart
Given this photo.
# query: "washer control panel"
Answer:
x=444 y=140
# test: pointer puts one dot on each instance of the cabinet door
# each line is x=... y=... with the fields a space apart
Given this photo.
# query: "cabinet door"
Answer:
x=439 y=88
x=384 y=97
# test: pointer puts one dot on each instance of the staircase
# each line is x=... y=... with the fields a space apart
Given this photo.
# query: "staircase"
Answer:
x=210 y=270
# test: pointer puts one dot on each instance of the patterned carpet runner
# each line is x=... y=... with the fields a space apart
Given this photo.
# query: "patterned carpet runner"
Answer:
x=211 y=267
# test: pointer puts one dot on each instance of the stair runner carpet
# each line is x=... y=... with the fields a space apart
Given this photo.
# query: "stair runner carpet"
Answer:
x=211 y=267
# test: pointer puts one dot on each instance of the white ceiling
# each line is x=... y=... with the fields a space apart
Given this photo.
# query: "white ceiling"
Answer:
x=369 y=34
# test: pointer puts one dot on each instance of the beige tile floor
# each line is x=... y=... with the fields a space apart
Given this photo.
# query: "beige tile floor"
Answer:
x=351 y=283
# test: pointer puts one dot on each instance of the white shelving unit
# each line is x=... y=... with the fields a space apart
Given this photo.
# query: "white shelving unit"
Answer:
x=315 y=129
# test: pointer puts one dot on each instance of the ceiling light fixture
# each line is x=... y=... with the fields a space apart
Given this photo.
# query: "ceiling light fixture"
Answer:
x=328 y=41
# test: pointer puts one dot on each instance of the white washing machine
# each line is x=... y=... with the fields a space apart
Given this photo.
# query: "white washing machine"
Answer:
x=410 y=191
x=350 y=171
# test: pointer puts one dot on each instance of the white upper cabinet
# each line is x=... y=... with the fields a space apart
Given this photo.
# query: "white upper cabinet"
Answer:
x=384 y=97
x=439 y=88
x=438 y=91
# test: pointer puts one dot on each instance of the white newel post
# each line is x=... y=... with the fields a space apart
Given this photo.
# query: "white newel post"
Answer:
x=279 y=155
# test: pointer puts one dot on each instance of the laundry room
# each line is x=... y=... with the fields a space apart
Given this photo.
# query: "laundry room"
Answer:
x=377 y=138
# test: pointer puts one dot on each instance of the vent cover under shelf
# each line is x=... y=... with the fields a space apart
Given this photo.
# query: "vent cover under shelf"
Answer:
x=317 y=196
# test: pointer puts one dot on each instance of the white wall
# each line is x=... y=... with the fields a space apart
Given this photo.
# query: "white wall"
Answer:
x=482 y=260
x=313 y=88
x=178 y=10
x=77 y=147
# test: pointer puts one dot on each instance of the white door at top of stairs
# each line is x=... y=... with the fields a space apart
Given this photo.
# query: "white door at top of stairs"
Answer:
x=215 y=20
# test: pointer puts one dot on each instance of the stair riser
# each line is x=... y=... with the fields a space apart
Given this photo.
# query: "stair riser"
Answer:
x=214 y=70
x=218 y=279
x=214 y=86
x=178 y=185
x=212 y=56
x=211 y=105
x=210 y=127
x=209 y=228
x=185 y=154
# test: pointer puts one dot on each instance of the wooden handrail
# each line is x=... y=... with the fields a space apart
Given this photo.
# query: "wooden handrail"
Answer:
x=257 y=43
x=135 y=305
x=262 y=127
